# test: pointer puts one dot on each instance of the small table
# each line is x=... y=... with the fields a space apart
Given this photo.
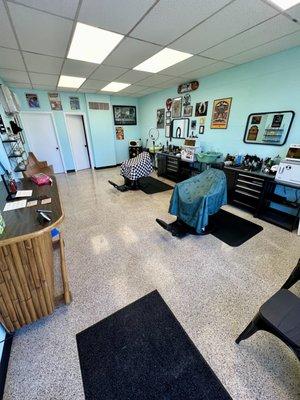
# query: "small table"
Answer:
x=27 y=291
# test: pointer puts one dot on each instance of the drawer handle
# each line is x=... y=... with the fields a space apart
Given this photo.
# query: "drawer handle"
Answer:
x=247 y=194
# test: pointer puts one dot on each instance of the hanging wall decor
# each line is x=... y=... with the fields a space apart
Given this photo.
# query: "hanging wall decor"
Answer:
x=119 y=133
x=193 y=124
x=186 y=99
x=124 y=115
x=176 y=107
x=160 y=118
x=187 y=87
x=167 y=131
x=74 y=103
x=201 y=109
x=187 y=111
x=55 y=101
x=169 y=104
x=220 y=113
x=32 y=100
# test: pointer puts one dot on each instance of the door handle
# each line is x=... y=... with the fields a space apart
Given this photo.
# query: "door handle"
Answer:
x=57 y=148
x=85 y=145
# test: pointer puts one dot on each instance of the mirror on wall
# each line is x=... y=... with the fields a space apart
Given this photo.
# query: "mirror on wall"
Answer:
x=180 y=128
x=270 y=128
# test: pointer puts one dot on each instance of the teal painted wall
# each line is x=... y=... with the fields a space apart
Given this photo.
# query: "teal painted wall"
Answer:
x=268 y=84
x=106 y=150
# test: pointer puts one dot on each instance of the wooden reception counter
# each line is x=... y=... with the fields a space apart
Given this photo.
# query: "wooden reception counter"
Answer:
x=27 y=290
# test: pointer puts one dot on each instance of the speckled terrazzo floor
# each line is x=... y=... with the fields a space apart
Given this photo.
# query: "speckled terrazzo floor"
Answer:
x=116 y=253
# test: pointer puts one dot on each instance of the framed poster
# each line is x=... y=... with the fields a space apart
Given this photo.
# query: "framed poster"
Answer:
x=160 y=118
x=119 y=133
x=187 y=111
x=124 y=115
x=167 y=131
x=55 y=101
x=74 y=103
x=32 y=100
x=176 y=107
x=220 y=113
x=180 y=128
x=201 y=109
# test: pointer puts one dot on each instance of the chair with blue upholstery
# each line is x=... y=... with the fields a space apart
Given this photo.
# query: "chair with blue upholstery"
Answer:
x=194 y=201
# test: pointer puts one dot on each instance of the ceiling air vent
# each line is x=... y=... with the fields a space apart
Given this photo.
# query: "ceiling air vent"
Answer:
x=95 y=105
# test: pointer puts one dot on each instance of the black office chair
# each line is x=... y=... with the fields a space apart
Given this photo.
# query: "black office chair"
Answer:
x=280 y=315
x=294 y=277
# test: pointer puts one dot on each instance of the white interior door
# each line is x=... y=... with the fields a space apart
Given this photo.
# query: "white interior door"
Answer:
x=78 y=140
x=42 y=141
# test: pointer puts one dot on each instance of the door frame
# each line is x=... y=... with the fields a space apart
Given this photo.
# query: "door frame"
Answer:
x=87 y=135
x=55 y=132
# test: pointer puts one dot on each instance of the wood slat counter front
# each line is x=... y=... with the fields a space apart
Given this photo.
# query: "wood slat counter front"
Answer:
x=27 y=290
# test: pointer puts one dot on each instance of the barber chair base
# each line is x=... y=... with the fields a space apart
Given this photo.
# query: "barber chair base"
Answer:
x=128 y=185
x=180 y=229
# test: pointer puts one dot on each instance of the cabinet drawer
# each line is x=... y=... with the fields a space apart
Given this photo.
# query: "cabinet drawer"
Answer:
x=245 y=198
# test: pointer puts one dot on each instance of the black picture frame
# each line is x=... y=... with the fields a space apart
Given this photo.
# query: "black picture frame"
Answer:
x=248 y=123
x=124 y=115
x=174 y=132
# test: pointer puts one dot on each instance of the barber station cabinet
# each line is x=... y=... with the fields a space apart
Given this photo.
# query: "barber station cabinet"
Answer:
x=174 y=168
x=255 y=192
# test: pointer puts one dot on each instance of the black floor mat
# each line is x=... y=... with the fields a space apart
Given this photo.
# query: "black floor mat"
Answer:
x=142 y=353
x=232 y=229
x=151 y=185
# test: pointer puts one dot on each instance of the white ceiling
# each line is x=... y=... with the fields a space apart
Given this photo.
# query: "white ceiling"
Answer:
x=35 y=36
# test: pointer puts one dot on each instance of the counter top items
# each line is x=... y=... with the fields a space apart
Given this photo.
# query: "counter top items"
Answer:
x=209 y=157
x=271 y=128
x=289 y=169
x=26 y=256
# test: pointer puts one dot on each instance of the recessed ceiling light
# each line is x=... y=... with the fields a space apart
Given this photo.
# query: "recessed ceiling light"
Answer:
x=92 y=44
x=285 y=4
x=115 y=87
x=161 y=60
x=70 y=81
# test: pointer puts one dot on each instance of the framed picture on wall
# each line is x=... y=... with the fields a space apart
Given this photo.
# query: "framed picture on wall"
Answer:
x=187 y=111
x=176 y=107
x=55 y=101
x=74 y=103
x=160 y=118
x=201 y=109
x=32 y=100
x=119 y=133
x=220 y=113
x=124 y=115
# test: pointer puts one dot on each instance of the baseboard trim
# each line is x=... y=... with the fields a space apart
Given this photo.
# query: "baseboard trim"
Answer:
x=4 y=361
x=70 y=170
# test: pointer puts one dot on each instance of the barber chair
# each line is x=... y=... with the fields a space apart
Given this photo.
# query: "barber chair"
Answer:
x=133 y=170
x=194 y=200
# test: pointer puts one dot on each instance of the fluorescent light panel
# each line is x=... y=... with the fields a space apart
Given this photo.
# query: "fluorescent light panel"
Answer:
x=285 y=4
x=92 y=44
x=115 y=87
x=70 y=81
x=161 y=60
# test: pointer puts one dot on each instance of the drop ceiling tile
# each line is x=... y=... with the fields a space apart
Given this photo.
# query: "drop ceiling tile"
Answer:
x=190 y=64
x=43 y=79
x=133 y=76
x=168 y=20
x=209 y=70
x=107 y=73
x=7 y=37
x=40 y=32
x=65 y=8
x=131 y=89
x=85 y=90
x=18 y=85
x=131 y=52
x=267 y=49
x=11 y=59
x=170 y=83
x=233 y=19
x=147 y=91
x=263 y=33
x=113 y=15
x=155 y=79
x=42 y=64
x=294 y=12
x=78 y=68
x=93 y=84
x=12 y=75
x=45 y=87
